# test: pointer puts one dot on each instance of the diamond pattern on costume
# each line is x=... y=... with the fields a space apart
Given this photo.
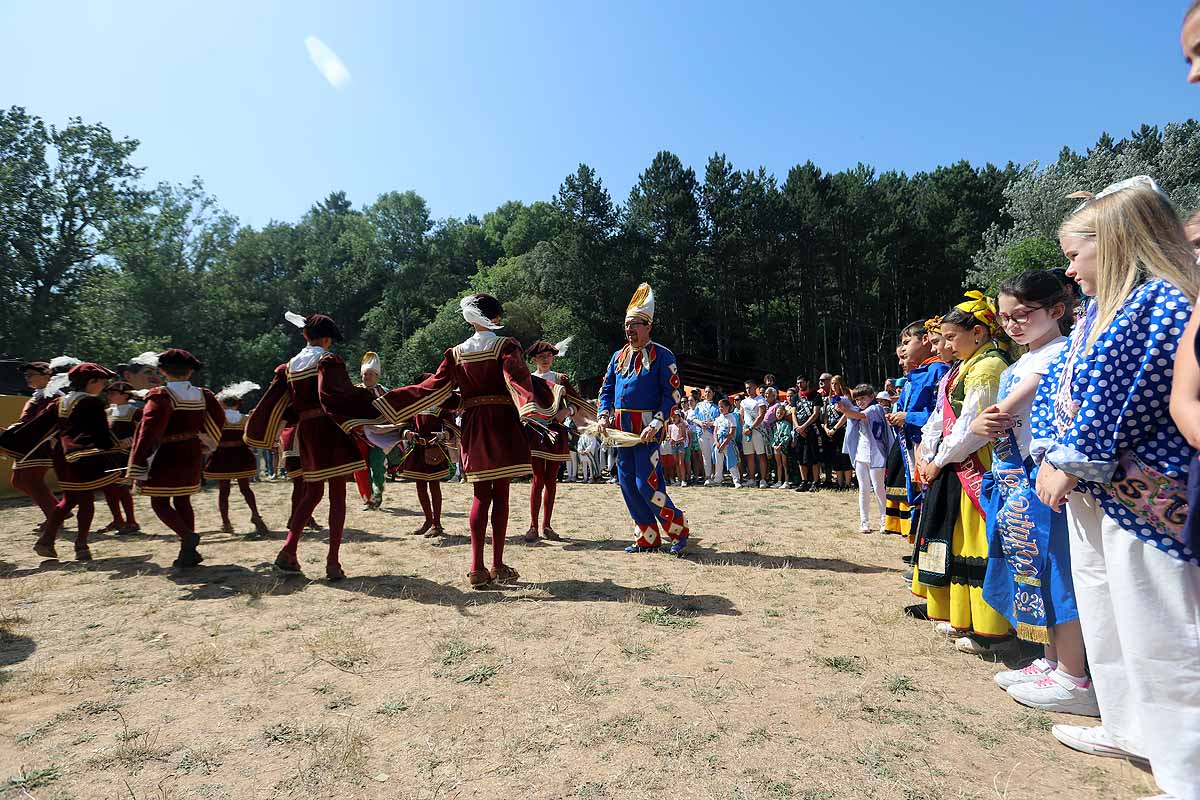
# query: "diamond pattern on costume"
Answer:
x=659 y=499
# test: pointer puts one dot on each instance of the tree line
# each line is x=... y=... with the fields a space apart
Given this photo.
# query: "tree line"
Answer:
x=813 y=273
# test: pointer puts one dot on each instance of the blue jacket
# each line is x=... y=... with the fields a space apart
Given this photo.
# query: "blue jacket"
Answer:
x=645 y=382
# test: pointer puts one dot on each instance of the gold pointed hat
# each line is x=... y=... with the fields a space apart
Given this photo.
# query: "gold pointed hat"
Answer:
x=641 y=306
x=370 y=360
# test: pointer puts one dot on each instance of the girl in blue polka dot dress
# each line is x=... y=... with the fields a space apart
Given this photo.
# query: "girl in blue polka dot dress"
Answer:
x=1110 y=451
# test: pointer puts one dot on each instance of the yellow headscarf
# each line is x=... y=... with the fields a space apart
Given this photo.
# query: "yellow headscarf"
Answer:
x=934 y=324
x=984 y=309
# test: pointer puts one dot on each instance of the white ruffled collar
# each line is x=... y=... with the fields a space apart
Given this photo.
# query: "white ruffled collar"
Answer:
x=184 y=392
x=233 y=416
x=306 y=358
x=482 y=340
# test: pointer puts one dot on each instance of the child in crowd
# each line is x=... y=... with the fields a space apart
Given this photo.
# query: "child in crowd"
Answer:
x=781 y=442
x=1029 y=568
x=1113 y=455
x=589 y=465
x=868 y=440
x=677 y=439
x=725 y=455
x=806 y=438
x=952 y=545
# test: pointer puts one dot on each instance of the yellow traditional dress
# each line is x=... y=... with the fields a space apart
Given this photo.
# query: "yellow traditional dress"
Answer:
x=950 y=570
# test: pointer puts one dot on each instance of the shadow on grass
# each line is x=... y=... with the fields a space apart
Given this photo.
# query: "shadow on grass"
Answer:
x=215 y=581
x=738 y=558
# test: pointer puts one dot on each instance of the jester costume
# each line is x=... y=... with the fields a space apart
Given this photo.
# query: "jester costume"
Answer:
x=641 y=390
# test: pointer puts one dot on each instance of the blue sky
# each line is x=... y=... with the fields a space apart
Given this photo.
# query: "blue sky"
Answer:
x=472 y=104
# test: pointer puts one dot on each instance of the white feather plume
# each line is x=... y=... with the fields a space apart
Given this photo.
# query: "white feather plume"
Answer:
x=562 y=346
x=294 y=318
x=472 y=314
x=63 y=363
x=146 y=359
x=237 y=390
x=57 y=384
x=140 y=393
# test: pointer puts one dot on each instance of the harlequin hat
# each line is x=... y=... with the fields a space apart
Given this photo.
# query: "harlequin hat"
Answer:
x=641 y=305
x=178 y=359
x=370 y=361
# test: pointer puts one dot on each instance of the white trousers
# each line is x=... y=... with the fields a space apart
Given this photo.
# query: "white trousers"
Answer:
x=1140 y=613
x=719 y=467
x=870 y=481
x=707 y=440
x=573 y=467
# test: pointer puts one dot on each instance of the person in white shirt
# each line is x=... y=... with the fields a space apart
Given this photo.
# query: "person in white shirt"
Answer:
x=725 y=455
x=754 y=441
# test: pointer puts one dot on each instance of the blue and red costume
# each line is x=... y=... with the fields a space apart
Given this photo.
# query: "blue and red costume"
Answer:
x=641 y=388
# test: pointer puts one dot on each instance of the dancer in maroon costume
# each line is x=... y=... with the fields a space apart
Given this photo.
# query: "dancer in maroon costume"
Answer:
x=549 y=447
x=315 y=386
x=29 y=473
x=426 y=461
x=180 y=425
x=123 y=419
x=234 y=460
x=496 y=393
x=82 y=453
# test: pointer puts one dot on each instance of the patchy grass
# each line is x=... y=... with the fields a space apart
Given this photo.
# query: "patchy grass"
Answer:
x=852 y=665
x=32 y=779
x=900 y=685
x=667 y=618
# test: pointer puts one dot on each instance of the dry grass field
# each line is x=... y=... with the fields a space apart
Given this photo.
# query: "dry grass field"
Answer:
x=776 y=661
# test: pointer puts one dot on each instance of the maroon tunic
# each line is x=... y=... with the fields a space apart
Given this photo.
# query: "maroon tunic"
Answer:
x=327 y=406
x=233 y=458
x=426 y=458
x=176 y=432
x=558 y=447
x=291 y=456
x=496 y=391
x=76 y=429
x=40 y=456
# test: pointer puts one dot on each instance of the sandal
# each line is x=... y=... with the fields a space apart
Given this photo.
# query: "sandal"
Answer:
x=531 y=535
x=502 y=573
x=334 y=572
x=45 y=550
x=312 y=525
x=227 y=527
x=421 y=530
x=112 y=526
x=128 y=529
x=479 y=578
x=551 y=534
x=83 y=553
x=435 y=532
x=260 y=526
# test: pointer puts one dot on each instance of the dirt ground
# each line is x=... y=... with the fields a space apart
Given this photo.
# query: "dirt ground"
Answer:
x=776 y=661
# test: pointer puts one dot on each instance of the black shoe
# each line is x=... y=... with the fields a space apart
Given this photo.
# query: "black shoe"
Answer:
x=906 y=559
x=188 y=556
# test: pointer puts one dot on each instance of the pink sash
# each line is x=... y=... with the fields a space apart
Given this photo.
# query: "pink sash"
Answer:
x=970 y=471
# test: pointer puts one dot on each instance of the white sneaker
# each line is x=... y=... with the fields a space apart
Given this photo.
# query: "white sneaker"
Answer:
x=737 y=485
x=1039 y=669
x=762 y=484
x=783 y=486
x=948 y=630
x=1094 y=741
x=1057 y=692
x=968 y=644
